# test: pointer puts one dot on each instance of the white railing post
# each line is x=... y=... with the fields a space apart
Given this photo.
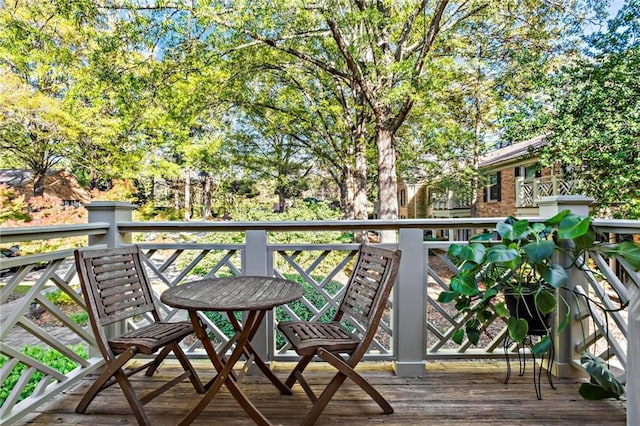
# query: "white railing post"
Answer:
x=633 y=357
x=565 y=349
x=111 y=212
x=519 y=182
x=255 y=262
x=409 y=306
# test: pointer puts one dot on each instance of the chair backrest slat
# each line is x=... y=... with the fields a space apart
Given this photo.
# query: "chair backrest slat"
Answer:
x=116 y=283
x=370 y=285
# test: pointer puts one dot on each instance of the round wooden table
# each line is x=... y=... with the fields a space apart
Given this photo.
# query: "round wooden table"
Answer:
x=254 y=295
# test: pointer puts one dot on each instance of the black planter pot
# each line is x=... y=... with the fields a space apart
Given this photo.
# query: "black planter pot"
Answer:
x=524 y=307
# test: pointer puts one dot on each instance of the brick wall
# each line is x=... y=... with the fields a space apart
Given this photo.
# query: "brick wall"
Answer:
x=507 y=205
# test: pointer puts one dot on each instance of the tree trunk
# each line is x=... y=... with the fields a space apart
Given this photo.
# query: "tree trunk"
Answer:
x=387 y=178
x=346 y=193
x=282 y=201
x=360 y=187
x=176 y=196
x=206 y=194
x=38 y=182
x=187 y=195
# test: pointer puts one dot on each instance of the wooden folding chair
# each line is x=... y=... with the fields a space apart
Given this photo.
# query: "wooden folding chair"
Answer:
x=116 y=288
x=364 y=301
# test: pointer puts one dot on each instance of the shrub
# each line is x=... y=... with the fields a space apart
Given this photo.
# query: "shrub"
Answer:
x=48 y=357
x=13 y=208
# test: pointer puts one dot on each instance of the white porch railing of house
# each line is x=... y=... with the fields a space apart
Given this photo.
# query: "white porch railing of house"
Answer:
x=416 y=329
x=530 y=189
x=450 y=201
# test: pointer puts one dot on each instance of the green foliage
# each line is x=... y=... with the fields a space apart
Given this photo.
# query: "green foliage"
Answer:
x=523 y=264
x=12 y=206
x=59 y=298
x=150 y=212
x=603 y=383
x=48 y=357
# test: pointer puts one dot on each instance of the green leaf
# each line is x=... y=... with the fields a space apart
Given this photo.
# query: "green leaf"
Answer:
x=458 y=336
x=455 y=249
x=518 y=329
x=555 y=220
x=543 y=346
x=485 y=236
x=501 y=254
x=538 y=227
x=545 y=302
x=464 y=285
x=489 y=294
x=594 y=392
x=600 y=375
x=502 y=310
x=505 y=230
x=513 y=231
x=573 y=226
x=630 y=252
x=484 y=316
x=447 y=296
x=555 y=275
x=539 y=250
x=473 y=252
x=564 y=323
x=473 y=336
x=520 y=229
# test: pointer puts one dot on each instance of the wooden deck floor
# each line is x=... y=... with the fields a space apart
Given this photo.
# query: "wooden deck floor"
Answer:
x=452 y=394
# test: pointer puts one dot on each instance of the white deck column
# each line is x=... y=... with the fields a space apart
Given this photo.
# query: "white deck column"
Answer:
x=409 y=306
x=254 y=262
x=111 y=212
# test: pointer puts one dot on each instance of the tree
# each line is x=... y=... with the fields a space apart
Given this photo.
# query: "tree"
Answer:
x=387 y=50
x=267 y=153
x=39 y=50
x=595 y=122
x=317 y=113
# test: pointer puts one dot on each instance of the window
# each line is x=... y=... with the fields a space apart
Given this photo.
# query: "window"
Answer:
x=527 y=172
x=71 y=203
x=403 y=198
x=493 y=191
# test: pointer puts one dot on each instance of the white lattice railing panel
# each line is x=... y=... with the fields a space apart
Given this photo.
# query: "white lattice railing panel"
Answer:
x=43 y=339
x=443 y=320
x=602 y=301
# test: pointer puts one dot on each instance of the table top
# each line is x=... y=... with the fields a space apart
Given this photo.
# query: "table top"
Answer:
x=241 y=293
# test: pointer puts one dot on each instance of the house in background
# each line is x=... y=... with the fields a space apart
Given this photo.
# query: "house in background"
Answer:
x=512 y=182
x=59 y=183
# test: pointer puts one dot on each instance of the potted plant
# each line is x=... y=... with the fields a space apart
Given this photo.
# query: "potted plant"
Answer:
x=521 y=272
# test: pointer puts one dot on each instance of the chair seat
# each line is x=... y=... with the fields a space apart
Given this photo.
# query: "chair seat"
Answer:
x=150 y=338
x=306 y=337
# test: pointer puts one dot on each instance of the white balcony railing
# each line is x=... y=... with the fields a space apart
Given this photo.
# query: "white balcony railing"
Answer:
x=191 y=250
x=530 y=189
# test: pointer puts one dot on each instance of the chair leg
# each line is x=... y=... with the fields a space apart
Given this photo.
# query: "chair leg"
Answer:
x=299 y=368
x=344 y=371
x=157 y=361
x=101 y=382
x=324 y=398
x=348 y=371
x=130 y=394
x=187 y=366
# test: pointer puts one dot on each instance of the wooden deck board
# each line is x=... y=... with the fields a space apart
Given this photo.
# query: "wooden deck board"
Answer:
x=460 y=393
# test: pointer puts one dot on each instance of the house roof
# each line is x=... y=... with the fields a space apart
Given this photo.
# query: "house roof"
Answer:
x=511 y=152
x=15 y=177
